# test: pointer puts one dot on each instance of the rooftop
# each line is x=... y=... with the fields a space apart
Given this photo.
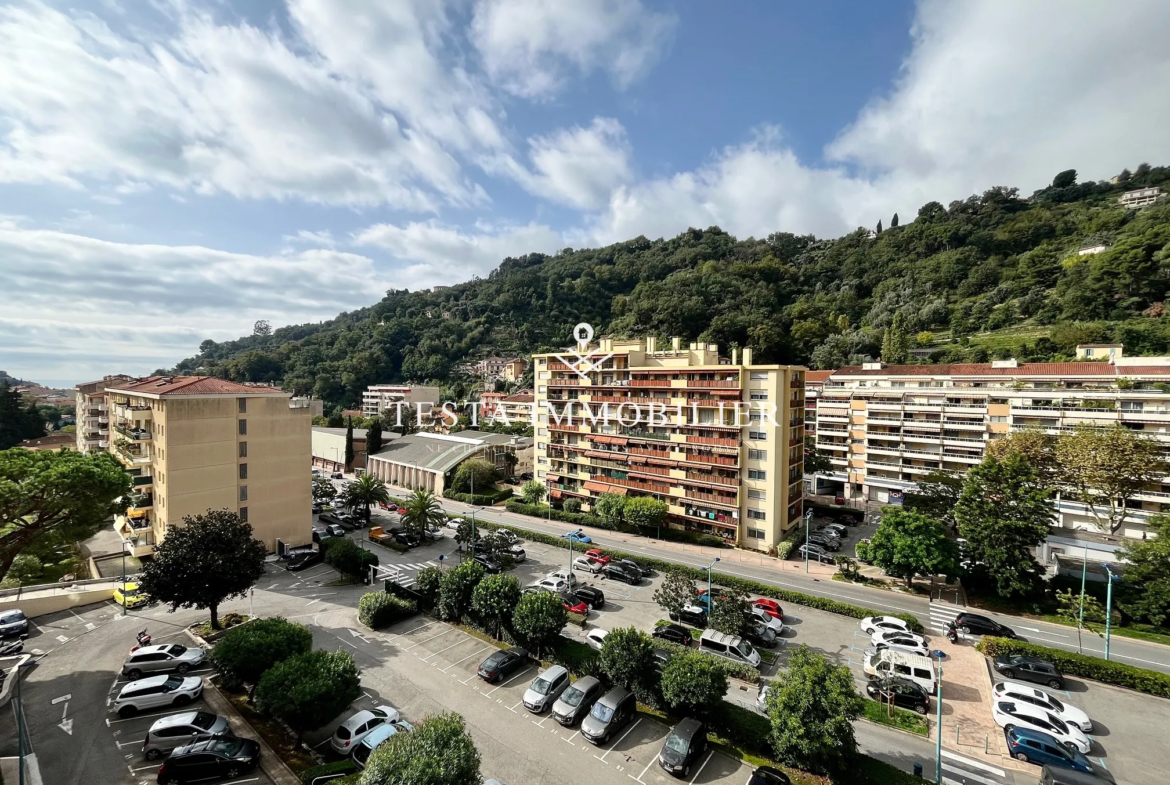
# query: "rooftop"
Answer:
x=1060 y=370
x=194 y=385
x=438 y=452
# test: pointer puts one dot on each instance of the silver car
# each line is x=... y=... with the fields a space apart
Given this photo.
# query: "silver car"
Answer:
x=546 y=688
x=609 y=715
x=13 y=623
x=576 y=701
x=162 y=658
x=179 y=730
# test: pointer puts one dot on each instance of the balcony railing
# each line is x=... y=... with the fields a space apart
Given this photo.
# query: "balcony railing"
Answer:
x=641 y=485
x=712 y=478
x=145 y=480
x=718 y=460
x=713 y=441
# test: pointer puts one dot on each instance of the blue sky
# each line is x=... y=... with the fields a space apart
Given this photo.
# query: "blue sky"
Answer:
x=178 y=172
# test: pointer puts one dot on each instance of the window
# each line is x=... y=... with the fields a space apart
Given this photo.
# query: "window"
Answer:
x=542 y=389
x=758 y=376
x=244 y=514
x=757 y=474
x=755 y=534
x=243 y=449
x=243 y=427
x=242 y=405
x=543 y=432
x=759 y=395
x=758 y=436
x=757 y=494
x=243 y=493
x=243 y=471
x=757 y=455
x=758 y=515
x=998 y=418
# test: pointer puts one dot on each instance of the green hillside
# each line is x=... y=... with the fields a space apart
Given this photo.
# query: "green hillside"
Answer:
x=992 y=276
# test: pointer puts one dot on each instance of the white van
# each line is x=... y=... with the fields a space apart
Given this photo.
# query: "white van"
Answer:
x=729 y=647
x=885 y=663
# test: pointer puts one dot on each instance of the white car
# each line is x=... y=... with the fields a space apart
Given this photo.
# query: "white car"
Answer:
x=453 y=523
x=762 y=697
x=1009 y=714
x=565 y=576
x=350 y=733
x=900 y=641
x=769 y=621
x=596 y=637
x=872 y=624
x=882 y=636
x=156 y=691
x=1026 y=693
x=587 y=565
x=555 y=585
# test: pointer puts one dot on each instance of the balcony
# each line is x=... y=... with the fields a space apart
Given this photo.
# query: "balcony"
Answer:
x=640 y=485
x=718 y=460
x=134 y=434
x=967 y=426
x=141 y=480
x=711 y=498
x=714 y=479
x=712 y=441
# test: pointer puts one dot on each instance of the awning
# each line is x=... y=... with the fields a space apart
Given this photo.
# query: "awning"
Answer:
x=556 y=494
x=662 y=462
x=553 y=476
x=603 y=454
x=637 y=458
x=593 y=437
x=598 y=487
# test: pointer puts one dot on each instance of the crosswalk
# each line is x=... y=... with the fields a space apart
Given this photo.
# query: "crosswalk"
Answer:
x=961 y=770
x=405 y=579
x=941 y=616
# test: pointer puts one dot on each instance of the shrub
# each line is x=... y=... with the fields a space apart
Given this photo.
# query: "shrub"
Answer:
x=538 y=620
x=337 y=767
x=784 y=549
x=1085 y=666
x=379 y=609
x=246 y=652
x=456 y=589
x=439 y=751
x=742 y=727
x=578 y=658
x=692 y=683
x=627 y=656
x=735 y=670
x=481 y=499
x=572 y=506
x=307 y=691
x=427 y=582
x=344 y=555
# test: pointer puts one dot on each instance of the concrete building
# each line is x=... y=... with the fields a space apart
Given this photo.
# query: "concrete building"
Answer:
x=93 y=416
x=379 y=398
x=514 y=369
x=50 y=443
x=1141 y=197
x=329 y=448
x=814 y=382
x=194 y=443
x=489 y=404
x=1099 y=351
x=427 y=461
x=1092 y=249
x=721 y=464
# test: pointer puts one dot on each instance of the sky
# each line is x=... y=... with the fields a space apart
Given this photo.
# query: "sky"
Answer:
x=174 y=170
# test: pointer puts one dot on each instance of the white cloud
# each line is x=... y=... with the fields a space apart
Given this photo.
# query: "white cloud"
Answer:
x=441 y=254
x=306 y=237
x=528 y=45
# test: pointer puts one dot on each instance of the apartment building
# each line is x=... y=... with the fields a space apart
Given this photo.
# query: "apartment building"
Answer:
x=814 y=382
x=379 y=398
x=194 y=443
x=93 y=415
x=1141 y=197
x=514 y=370
x=718 y=439
x=884 y=427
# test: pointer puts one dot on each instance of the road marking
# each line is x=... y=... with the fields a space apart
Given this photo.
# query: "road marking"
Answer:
x=66 y=697
x=620 y=740
x=357 y=634
x=468 y=657
x=417 y=643
x=128 y=743
x=968 y=775
x=710 y=755
x=440 y=651
x=639 y=777
x=570 y=739
x=307 y=604
x=972 y=762
x=416 y=629
x=509 y=681
x=469 y=678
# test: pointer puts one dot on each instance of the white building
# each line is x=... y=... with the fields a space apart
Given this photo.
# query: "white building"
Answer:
x=379 y=398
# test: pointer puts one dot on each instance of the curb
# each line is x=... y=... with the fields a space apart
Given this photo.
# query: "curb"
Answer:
x=270 y=763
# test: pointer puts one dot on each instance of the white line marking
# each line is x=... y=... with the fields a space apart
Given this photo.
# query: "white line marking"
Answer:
x=57 y=700
x=700 y=771
x=509 y=681
x=971 y=762
x=440 y=651
x=570 y=739
x=620 y=740
x=639 y=777
x=417 y=643
x=968 y=775
x=468 y=657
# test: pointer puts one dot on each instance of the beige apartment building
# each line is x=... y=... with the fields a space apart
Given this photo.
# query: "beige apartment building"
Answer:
x=712 y=449
x=380 y=398
x=93 y=415
x=194 y=443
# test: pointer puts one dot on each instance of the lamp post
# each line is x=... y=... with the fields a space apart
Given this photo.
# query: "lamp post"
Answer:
x=1081 y=614
x=710 y=594
x=938 y=731
x=1108 y=604
x=807 y=527
x=124 y=543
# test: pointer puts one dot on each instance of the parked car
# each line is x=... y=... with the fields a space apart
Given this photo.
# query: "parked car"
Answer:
x=332 y=517
x=489 y=564
x=692 y=615
x=546 y=688
x=377 y=736
x=767 y=775
x=304 y=560
x=585 y=564
x=975 y=624
x=1028 y=668
x=762 y=696
x=597 y=556
x=453 y=523
x=577 y=536
x=903 y=692
x=1025 y=715
x=1037 y=747
x=609 y=714
x=645 y=572
x=566 y=576
x=826 y=542
x=872 y=624
x=622 y=572
x=763 y=617
x=155 y=692
x=815 y=553
x=576 y=700
x=573 y=605
x=13 y=623
x=682 y=747
x=502 y=663
x=132 y=597
x=838 y=530
x=770 y=607
x=162 y=658
x=355 y=728
x=406 y=537
x=220 y=758
x=595 y=638
x=518 y=554
x=675 y=633
x=760 y=634
x=333 y=530
x=179 y=730
x=551 y=584
x=1023 y=693
x=591 y=596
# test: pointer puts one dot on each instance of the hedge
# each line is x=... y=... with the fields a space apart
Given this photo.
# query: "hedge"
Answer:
x=338 y=767
x=483 y=499
x=743 y=728
x=379 y=609
x=1083 y=665
x=589 y=519
x=735 y=670
x=729 y=581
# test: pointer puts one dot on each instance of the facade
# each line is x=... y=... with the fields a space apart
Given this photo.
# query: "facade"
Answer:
x=1099 y=351
x=93 y=416
x=720 y=468
x=1141 y=197
x=194 y=443
x=379 y=398
x=814 y=382
x=489 y=403
x=1091 y=250
x=884 y=427
x=427 y=461
x=329 y=448
x=514 y=370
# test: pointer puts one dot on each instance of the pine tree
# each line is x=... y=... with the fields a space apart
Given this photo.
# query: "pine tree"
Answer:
x=11 y=417
x=374 y=436
x=348 y=443
x=894 y=221
x=34 y=421
x=879 y=226
x=896 y=344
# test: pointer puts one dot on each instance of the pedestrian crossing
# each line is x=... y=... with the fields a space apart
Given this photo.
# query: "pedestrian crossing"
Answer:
x=967 y=771
x=407 y=579
x=941 y=616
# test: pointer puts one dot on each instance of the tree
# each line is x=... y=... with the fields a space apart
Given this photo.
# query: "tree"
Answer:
x=644 y=511
x=246 y=652
x=677 y=589
x=55 y=494
x=1124 y=177
x=439 y=751
x=366 y=491
x=896 y=343
x=1032 y=444
x=262 y=328
x=693 y=683
x=423 y=511
x=609 y=507
x=1065 y=179
x=812 y=708
x=937 y=493
x=26 y=570
x=532 y=492
x=456 y=590
x=729 y=613
x=1082 y=610
x=324 y=490
x=1004 y=513
x=879 y=226
x=474 y=473
x=405 y=419
x=894 y=221
x=1104 y=468
x=538 y=618
x=374 y=436
x=427 y=582
x=908 y=543
x=1145 y=594
x=572 y=505
x=815 y=461
x=208 y=560
x=347 y=557
x=494 y=599
x=627 y=657
x=349 y=454
x=306 y=691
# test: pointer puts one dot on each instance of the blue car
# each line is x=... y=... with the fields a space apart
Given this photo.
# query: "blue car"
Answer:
x=1033 y=746
x=577 y=536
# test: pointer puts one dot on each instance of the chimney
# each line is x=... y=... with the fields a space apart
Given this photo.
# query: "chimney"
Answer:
x=735 y=356
x=747 y=355
x=651 y=344
x=676 y=343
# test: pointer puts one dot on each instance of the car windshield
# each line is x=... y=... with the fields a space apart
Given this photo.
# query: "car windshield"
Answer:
x=601 y=711
x=173 y=683
x=745 y=649
x=541 y=686
x=230 y=748
x=1060 y=726
x=676 y=744
x=203 y=720
x=176 y=649
x=1053 y=702
x=572 y=697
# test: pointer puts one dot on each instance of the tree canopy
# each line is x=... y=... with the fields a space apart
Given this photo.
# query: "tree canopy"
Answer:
x=439 y=751
x=306 y=691
x=908 y=543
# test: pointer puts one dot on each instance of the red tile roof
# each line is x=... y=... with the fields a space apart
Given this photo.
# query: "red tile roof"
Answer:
x=192 y=385
x=985 y=369
x=817 y=376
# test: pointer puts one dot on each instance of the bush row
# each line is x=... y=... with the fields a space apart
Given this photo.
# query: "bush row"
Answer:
x=589 y=519
x=1074 y=664
x=337 y=767
x=379 y=609
x=542 y=511
x=735 y=670
x=729 y=581
x=483 y=499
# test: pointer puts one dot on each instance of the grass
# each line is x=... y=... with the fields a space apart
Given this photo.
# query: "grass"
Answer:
x=226 y=622
x=902 y=719
x=1125 y=632
x=279 y=739
x=1031 y=610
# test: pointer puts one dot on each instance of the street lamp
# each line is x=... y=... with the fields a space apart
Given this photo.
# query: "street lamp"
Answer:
x=938 y=730
x=1081 y=613
x=710 y=596
x=807 y=526
x=124 y=544
x=1109 y=604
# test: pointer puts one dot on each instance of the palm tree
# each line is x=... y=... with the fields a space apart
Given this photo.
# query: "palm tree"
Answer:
x=365 y=491
x=423 y=511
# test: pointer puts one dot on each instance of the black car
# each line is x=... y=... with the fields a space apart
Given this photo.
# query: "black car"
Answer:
x=675 y=633
x=13 y=623
x=766 y=775
x=760 y=634
x=683 y=745
x=218 y=758
x=489 y=564
x=622 y=572
x=502 y=663
x=590 y=595
x=903 y=692
x=1025 y=668
x=828 y=543
x=405 y=537
x=303 y=560
x=644 y=571
x=974 y=624
x=692 y=615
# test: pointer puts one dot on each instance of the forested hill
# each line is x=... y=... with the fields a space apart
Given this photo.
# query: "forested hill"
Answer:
x=994 y=275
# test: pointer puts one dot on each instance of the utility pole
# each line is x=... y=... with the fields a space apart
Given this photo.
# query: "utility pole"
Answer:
x=710 y=593
x=938 y=730
x=1108 y=604
x=807 y=527
x=1081 y=614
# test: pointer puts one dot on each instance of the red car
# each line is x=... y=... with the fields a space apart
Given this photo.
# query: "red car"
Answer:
x=770 y=607
x=574 y=605
x=597 y=556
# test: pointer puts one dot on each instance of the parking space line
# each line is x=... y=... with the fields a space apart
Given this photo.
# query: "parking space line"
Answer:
x=509 y=681
x=416 y=629
x=468 y=657
x=619 y=741
x=128 y=743
x=417 y=643
x=440 y=651
x=639 y=777
x=710 y=755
